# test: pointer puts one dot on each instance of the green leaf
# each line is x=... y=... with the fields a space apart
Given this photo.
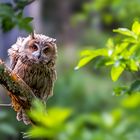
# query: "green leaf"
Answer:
x=101 y=61
x=28 y=28
x=49 y=123
x=110 y=43
x=6 y=11
x=130 y=40
x=83 y=62
x=89 y=55
x=27 y=20
x=116 y=71
x=54 y=117
x=125 y=31
x=121 y=47
x=111 y=62
x=86 y=53
x=133 y=65
x=131 y=101
x=120 y=90
x=135 y=87
x=20 y=4
x=133 y=49
x=41 y=132
x=97 y=52
x=19 y=15
x=24 y=24
x=136 y=27
x=7 y=24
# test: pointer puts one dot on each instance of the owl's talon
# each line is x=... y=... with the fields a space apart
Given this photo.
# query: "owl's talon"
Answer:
x=25 y=118
x=19 y=115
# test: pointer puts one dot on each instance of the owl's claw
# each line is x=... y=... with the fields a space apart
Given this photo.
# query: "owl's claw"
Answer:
x=19 y=115
x=25 y=118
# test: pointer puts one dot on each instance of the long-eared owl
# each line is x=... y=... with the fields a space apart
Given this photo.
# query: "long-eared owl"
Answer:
x=33 y=59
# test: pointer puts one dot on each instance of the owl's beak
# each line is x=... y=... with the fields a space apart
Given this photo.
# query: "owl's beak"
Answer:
x=37 y=54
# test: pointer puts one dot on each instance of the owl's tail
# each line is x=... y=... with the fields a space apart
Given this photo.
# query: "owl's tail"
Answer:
x=20 y=106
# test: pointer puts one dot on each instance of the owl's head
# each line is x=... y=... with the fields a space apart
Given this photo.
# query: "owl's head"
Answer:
x=37 y=48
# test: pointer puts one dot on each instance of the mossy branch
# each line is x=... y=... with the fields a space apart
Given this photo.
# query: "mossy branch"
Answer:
x=14 y=84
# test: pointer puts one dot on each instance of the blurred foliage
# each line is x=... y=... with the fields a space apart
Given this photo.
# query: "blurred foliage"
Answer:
x=11 y=15
x=48 y=123
x=111 y=13
x=121 y=55
x=119 y=123
x=100 y=17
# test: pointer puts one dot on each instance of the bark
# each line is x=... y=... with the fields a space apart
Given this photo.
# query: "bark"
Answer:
x=14 y=84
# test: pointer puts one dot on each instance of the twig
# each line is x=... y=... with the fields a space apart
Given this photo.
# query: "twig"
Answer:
x=5 y=105
x=30 y=1
x=16 y=8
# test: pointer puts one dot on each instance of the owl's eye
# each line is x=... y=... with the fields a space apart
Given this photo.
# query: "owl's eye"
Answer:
x=34 y=47
x=46 y=50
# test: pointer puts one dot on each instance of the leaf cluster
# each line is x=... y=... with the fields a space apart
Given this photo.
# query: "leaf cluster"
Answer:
x=115 y=124
x=121 y=56
x=11 y=15
x=49 y=123
x=112 y=12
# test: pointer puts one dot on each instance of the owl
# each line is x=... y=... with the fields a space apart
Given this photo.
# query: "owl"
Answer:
x=33 y=59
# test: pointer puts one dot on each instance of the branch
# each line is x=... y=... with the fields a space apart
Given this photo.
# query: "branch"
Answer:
x=16 y=8
x=14 y=83
x=30 y=1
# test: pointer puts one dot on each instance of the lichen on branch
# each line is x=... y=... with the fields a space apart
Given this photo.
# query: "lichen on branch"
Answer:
x=14 y=84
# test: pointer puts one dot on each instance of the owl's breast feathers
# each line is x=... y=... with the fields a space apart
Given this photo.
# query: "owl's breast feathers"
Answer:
x=40 y=78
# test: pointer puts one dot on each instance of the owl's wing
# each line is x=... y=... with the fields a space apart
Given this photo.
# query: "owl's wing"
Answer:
x=13 y=54
x=47 y=86
x=52 y=78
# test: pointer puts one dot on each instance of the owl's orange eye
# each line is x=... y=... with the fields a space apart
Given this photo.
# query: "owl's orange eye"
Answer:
x=34 y=47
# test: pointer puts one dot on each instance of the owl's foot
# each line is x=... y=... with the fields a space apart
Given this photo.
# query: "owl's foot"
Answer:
x=26 y=119
x=21 y=116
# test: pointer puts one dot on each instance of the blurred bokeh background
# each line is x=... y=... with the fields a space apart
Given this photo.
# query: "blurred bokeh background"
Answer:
x=78 y=25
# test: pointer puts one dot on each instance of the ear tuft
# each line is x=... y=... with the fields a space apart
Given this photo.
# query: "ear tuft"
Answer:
x=33 y=34
x=54 y=40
